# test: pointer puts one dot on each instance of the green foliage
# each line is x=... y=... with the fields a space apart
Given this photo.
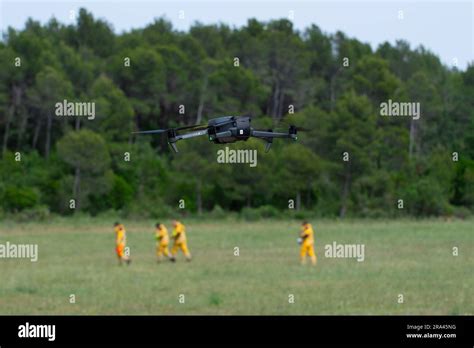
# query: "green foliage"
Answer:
x=84 y=150
x=425 y=197
x=36 y=213
x=158 y=77
x=262 y=212
x=121 y=193
x=249 y=214
x=114 y=112
x=19 y=198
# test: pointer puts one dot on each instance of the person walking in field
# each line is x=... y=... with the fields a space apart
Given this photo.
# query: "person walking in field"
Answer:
x=121 y=243
x=162 y=241
x=179 y=238
x=307 y=243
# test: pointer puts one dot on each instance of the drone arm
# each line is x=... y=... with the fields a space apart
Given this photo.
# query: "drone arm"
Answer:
x=264 y=135
x=175 y=137
x=191 y=135
x=155 y=131
x=269 y=135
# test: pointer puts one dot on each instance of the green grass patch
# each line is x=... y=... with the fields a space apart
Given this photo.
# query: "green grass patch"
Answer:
x=409 y=257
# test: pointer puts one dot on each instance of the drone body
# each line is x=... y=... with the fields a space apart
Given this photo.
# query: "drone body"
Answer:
x=224 y=130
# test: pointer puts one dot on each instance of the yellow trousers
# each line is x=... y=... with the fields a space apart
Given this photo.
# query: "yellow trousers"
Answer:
x=180 y=246
x=307 y=248
x=162 y=249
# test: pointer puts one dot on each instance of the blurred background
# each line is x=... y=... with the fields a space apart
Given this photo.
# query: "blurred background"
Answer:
x=322 y=66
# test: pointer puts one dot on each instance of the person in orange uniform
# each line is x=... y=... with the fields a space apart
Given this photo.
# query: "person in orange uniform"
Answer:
x=179 y=238
x=307 y=243
x=121 y=243
x=162 y=241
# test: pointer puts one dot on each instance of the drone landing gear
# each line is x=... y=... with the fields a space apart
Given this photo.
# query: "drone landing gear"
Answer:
x=172 y=139
x=269 y=143
x=174 y=147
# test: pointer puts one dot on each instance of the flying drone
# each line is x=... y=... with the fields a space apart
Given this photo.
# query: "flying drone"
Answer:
x=223 y=130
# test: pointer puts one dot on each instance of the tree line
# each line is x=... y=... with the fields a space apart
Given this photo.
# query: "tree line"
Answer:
x=350 y=161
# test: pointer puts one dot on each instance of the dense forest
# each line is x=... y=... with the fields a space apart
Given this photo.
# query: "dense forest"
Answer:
x=351 y=161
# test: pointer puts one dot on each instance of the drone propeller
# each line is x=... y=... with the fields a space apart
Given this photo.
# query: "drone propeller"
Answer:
x=289 y=120
x=300 y=129
x=159 y=131
x=154 y=131
x=293 y=128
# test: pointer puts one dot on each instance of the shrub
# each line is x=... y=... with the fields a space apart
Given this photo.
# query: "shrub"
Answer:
x=249 y=214
x=264 y=211
x=19 y=198
x=268 y=211
x=461 y=212
x=38 y=213
x=217 y=212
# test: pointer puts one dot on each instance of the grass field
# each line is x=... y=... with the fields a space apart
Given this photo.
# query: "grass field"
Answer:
x=76 y=256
